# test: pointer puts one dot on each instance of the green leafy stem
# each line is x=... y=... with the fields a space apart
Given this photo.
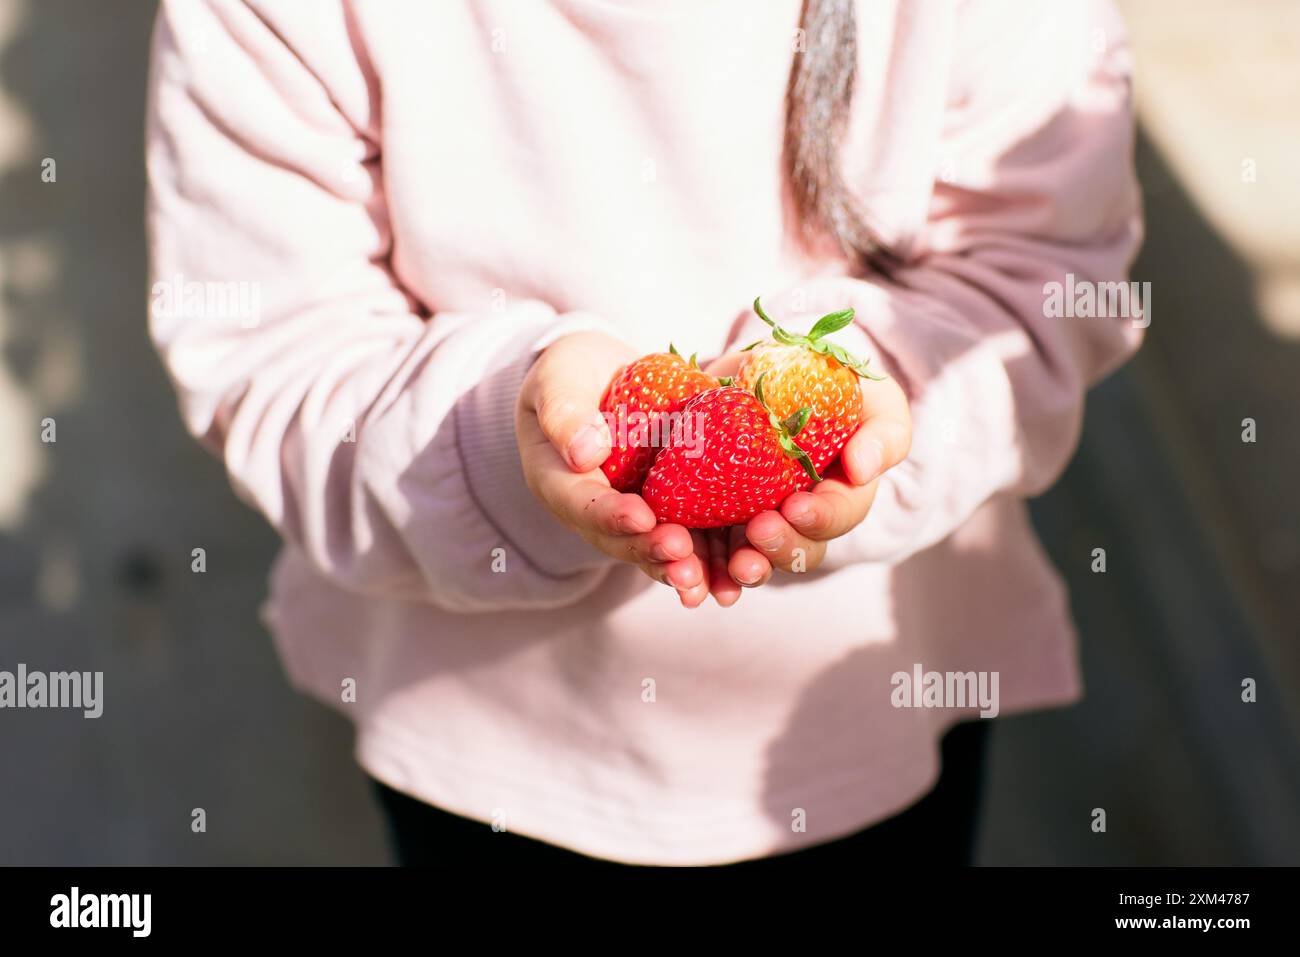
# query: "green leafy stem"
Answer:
x=815 y=340
x=787 y=429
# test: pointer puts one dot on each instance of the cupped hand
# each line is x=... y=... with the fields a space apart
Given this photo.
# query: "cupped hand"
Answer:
x=563 y=439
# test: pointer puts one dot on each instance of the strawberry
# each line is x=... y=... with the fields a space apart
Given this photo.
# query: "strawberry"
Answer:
x=741 y=460
x=641 y=406
x=807 y=371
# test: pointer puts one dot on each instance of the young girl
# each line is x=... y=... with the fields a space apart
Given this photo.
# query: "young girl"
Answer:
x=460 y=218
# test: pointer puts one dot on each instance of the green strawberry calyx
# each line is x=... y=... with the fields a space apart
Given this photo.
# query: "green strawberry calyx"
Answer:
x=815 y=339
x=787 y=429
x=692 y=361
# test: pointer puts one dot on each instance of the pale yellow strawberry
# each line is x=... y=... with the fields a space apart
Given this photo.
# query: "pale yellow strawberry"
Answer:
x=806 y=371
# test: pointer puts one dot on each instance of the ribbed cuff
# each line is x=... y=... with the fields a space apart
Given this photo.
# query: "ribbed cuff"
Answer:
x=489 y=453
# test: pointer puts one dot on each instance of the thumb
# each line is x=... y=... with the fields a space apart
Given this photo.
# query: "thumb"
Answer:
x=567 y=403
x=885 y=437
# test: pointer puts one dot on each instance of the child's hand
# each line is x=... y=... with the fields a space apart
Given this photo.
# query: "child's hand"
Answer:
x=563 y=439
x=795 y=537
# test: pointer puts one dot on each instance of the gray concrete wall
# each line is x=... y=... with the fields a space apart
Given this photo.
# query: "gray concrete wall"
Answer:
x=95 y=543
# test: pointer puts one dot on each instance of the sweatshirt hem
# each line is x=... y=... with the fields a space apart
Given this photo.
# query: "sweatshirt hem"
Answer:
x=579 y=822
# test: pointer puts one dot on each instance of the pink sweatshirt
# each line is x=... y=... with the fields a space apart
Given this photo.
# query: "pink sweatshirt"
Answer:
x=368 y=217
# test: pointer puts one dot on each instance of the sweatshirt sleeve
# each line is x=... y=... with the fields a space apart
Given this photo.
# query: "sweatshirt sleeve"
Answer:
x=1034 y=188
x=376 y=438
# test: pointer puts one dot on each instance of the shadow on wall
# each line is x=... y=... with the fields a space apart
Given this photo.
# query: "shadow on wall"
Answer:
x=96 y=542
x=1187 y=772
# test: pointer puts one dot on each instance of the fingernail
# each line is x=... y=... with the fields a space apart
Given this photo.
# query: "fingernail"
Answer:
x=769 y=544
x=869 y=461
x=587 y=447
x=660 y=553
x=800 y=514
x=747 y=580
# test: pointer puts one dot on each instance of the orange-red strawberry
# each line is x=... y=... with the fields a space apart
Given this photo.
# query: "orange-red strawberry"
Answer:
x=641 y=407
x=807 y=371
x=740 y=460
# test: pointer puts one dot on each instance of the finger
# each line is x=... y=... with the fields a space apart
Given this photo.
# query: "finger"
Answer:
x=725 y=365
x=567 y=406
x=622 y=513
x=584 y=501
x=686 y=573
x=725 y=590
x=693 y=597
x=690 y=577
x=782 y=545
x=685 y=576
x=832 y=508
x=611 y=521
x=589 y=504
x=661 y=546
x=747 y=566
x=657 y=571
x=885 y=437
x=665 y=545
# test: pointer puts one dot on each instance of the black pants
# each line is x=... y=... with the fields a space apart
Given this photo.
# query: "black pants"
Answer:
x=940 y=828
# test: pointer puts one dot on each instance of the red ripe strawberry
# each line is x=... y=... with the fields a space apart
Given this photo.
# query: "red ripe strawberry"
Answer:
x=640 y=407
x=807 y=371
x=736 y=461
